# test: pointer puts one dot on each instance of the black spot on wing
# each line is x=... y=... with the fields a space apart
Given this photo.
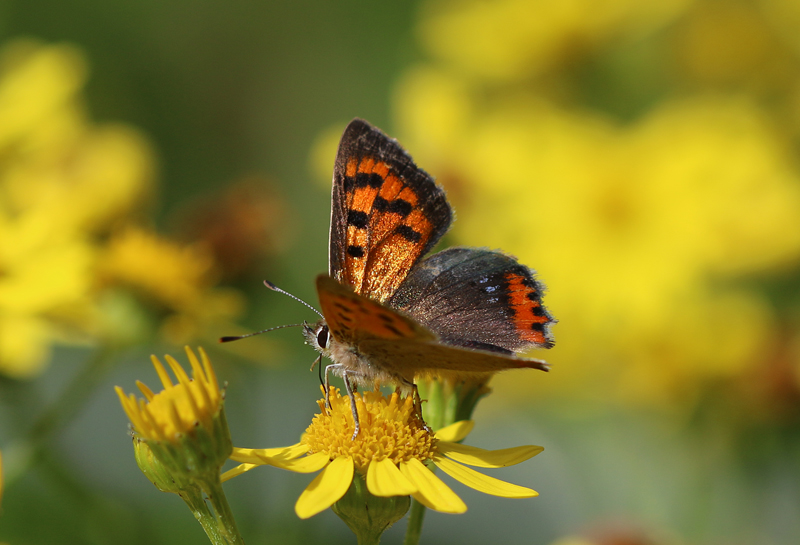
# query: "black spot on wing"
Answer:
x=408 y=233
x=539 y=311
x=538 y=326
x=372 y=180
x=357 y=218
x=400 y=206
x=393 y=330
x=380 y=204
x=396 y=206
x=355 y=251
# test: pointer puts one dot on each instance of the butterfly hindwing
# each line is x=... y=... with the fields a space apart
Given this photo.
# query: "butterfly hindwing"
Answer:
x=386 y=213
x=477 y=298
x=411 y=358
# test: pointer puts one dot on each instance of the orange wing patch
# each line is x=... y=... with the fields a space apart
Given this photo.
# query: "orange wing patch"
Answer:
x=352 y=317
x=530 y=318
x=387 y=231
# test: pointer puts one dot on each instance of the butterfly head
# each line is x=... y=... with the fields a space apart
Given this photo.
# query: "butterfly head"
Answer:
x=318 y=336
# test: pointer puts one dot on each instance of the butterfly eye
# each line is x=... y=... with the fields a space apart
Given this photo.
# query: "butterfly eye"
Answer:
x=322 y=336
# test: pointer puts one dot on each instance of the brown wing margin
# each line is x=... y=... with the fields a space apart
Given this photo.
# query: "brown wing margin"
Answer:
x=412 y=358
x=386 y=213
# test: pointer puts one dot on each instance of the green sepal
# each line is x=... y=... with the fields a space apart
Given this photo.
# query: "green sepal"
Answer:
x=449 y=401
x=368 y=516
x=190 y=459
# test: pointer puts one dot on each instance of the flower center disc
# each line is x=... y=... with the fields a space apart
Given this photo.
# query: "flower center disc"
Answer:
x=390 y=428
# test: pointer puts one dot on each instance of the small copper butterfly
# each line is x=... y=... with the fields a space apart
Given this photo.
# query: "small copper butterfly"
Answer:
x=388 y=314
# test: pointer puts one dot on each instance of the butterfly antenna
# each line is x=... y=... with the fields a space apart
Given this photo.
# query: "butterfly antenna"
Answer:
x=273 y=287
x=237 y=337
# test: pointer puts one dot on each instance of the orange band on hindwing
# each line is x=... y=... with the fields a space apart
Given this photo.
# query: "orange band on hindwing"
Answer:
x=530 y=317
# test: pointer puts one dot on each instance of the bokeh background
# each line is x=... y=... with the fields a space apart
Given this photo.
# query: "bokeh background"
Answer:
x=158 y=160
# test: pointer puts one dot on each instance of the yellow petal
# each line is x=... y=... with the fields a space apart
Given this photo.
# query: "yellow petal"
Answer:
x=200 y=378
x=384 y=479
x=482 y=483
x=479 y=457
x=455 y=432
x=180 y=373
x=431 y=492
x=256 y=455
x=211 y=376
x=148 y=393
x=162 y=373
x=306 y=464
x=326 y=489
x=236 y=471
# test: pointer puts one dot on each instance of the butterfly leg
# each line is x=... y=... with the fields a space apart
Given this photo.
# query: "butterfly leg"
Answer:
x=417 y=403
x=319 y=373
x=345 y=373
x=327 y=384
x=349 y=387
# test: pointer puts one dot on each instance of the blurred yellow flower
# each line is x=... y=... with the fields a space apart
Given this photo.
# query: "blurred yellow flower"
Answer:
x=178 y=280
x=743 y=47
x=732 y=42
x=69 y=189
x=514 y=39
x=784 y=16
x=63 y=181
x=639 y=231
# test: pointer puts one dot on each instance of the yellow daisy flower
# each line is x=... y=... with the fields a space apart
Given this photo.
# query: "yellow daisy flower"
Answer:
x=392 y=452
x=183 y=425
x=181 y=440
x=179 y=408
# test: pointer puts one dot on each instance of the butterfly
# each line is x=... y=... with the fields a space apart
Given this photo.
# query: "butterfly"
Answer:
x=390 y=314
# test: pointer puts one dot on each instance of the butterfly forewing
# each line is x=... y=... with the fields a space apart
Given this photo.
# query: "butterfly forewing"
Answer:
x=353 y=318
x=386 y=213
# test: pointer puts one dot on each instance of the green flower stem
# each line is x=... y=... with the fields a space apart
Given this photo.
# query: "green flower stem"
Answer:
x=415 y=520
x=194 y=499
x=447 y=403
x=225 y=523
